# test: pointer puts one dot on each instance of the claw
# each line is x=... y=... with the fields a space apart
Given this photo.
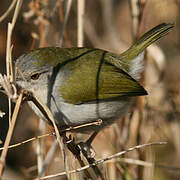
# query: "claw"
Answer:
x=87 y=149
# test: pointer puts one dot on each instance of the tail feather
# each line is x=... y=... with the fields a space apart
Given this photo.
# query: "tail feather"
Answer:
x=147 y=39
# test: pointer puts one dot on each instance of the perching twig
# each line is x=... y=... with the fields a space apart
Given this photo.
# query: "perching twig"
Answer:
x=48 y=134
x=28 y=140
x=104 y=160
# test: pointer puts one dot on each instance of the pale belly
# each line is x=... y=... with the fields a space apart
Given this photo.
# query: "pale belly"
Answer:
x=69 y=115
x=75 y=115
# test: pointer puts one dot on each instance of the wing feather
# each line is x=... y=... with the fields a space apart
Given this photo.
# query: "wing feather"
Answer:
x=100 y=81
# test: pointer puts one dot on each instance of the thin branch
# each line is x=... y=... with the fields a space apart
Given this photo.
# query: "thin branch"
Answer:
x=97 y=123
x=103 y=160
x=28 y=140
x=9 y=134
x=37 y=100
x=40 y=148
x=8 y=11
x=10 y=75
x=130 y=149
x=9 y=65
x=49 y=134
x=146 y=164
x=9 y=36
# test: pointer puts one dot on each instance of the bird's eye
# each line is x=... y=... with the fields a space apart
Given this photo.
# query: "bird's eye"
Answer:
x=35 y=76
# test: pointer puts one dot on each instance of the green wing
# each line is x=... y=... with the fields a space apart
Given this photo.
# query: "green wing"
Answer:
x=92 y=78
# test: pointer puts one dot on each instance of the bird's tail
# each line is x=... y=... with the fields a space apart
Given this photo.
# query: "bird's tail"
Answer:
x=148 y=38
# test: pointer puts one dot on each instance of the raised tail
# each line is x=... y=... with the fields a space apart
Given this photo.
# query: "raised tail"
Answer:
x=147 y=39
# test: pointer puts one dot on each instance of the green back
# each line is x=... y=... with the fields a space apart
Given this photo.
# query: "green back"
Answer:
x=92 y=77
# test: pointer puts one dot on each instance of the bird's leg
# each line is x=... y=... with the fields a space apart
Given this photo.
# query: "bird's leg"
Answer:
x=74 y=148
x=71 y=145
x=86 y=147
x=89 y=154
x=91 y=138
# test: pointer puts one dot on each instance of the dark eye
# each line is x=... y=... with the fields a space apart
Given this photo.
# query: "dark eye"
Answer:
x=35 y=76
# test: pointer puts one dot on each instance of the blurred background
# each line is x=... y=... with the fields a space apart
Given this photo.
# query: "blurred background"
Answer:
x=112 y=25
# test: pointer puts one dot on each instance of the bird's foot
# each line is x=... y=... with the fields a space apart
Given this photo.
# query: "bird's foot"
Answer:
x=87 y=149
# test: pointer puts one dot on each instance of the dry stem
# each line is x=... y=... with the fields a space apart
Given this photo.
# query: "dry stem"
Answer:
x=103 y=160
x=8 y=11
x=9 y=134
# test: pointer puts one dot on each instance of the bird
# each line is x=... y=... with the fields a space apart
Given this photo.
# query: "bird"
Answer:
x=82 y=85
